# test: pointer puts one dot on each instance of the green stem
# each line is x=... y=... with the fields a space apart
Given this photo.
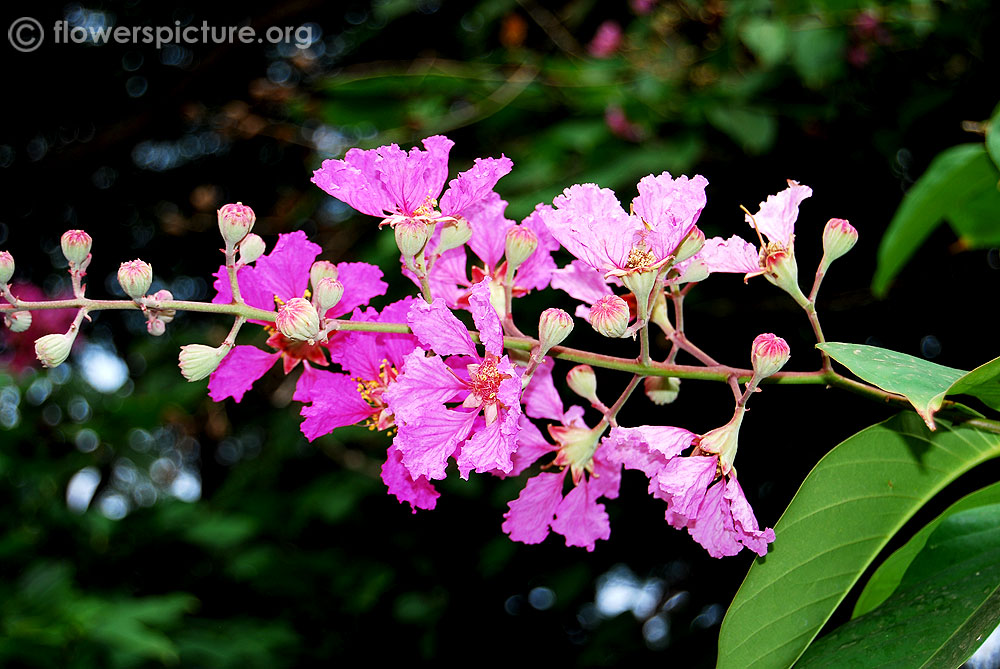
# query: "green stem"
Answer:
x=179 y=305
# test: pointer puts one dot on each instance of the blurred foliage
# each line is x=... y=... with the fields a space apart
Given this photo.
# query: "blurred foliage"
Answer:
x=275 y=552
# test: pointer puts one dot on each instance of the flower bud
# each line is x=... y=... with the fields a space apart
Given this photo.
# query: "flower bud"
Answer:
x=454 y=235
x=411 y=235
x=641 y=284
x=839 y=237
x=298 y=319
x=326 y=294
x=768 y=354
x=520 y=242
x=320 y=270
x=695 y=271
x=583 y=382
x=6 y=267
x=724 y=441
x=691 y=245
x=53 y=349
x=554 y=325
x=198 y=361
x=783 y=272
x=165 y=315
x=662 y=389
x=135 y=276
x=609 y=316
x=251 y=248
x=18 y=321
x=156 y=327
x=235 y=222
x=76 y=246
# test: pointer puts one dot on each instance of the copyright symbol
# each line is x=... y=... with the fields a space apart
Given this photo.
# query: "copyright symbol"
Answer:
x=25 y=34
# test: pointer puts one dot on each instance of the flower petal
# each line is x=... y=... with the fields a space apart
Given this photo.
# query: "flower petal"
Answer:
x=776 y=217
x=530 y=515
x=361 y=283
x=438 y=329
x=418 y=492
x=671 y=207
x=424 y=386
x=335 y=403
x=485 y=317
x=237 y=372
x=474 y=184
x=429 y=440
x=581 y=519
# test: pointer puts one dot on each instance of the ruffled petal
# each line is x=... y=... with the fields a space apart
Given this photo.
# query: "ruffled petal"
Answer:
x=685 y=480
x=745 y=525
x=354 y=181
x=671 y=207
x=581 y=519
x=485 y=317
x=646 y=448
x=335 y=403
x=776 y=217
x=424 y=386
x=438 y=329
x=535 y=273
x=252 y=290
x=541 y=399
x=237 y=372
x=530 y=515
x=419 y=492
x=713 y=526
x=474 y=184
x=531 y=445
x=284 y=272
x=590 y=223
x=581 y=281
x=729 y=255
x=361 y=283
x=429 y=440
x=489 y=228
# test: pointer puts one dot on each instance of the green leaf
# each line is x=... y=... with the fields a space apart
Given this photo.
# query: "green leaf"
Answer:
x=855 y=499
x=887 y=577
x=923 y=383
x=752 y=129
x=767 y=39
x=818 y=52
x=982 y=382
x=947 y=602
x=955 y=175
x=993 y=137
x=977 y=221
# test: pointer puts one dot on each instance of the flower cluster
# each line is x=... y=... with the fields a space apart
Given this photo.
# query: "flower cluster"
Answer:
x=483 y=400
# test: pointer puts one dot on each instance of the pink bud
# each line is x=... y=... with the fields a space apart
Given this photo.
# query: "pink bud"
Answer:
x=554 y=325
x=135 y=276
x=610 y=316
x=235 y=222
x=327 y=294
x=768 y=354
x=76 y=246
x=6 y=267
x=165 y=315
x=839 y=237
x=606 y=40
x=298 y=319
x=156 y=327
x=320 y=270
x=520 y=242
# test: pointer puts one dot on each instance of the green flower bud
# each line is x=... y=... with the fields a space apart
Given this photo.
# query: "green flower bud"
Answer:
x=235 y=222
x=198 y=360
x=135 y=277
x=251 y=248
x=519 y=244
x=6 y=267
x=554 y=325
x=76 y=246
x=53 y=349
x=298 y=320
x=609 y=316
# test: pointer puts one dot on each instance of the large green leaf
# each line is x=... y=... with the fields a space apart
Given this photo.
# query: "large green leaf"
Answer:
x=953 y=177
x=887 y=577
x=923 y=383
x=855 y=499
x=982 y=382
x=947 y=602
x=977 y=221
x=993 y=137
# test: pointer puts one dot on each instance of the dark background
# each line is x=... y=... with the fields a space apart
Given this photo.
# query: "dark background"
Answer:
x=292 y=553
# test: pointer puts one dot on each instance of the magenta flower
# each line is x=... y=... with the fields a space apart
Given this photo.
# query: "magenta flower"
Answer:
x=280 y=276
x=607 y=40
x=481 y=432
x=591 y=224
x=700 y=489
x=449 y=278
x=395 y=185
x=542 y=506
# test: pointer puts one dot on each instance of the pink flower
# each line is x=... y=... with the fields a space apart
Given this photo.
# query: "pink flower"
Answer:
x=449 y=274
x=281 y=276
x=590 y=223
x=607 y=40
x=700 y=489
x=777 y=215
x=395 y=185
x=542 y=506
x=17 y=349
x=481 y=432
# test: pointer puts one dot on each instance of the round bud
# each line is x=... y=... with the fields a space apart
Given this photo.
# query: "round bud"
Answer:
x=165 y=315
x=156 y=327
x=411 y=235
x=53 y=349
x=662 y=389
x=251 y=248
x=583 y=382
x=76 y=246
x=320 y=270
x=839 y=237
x=6 y=267
x=768 y=354
x=691 y=245
x=326 y=294
x=298 y=320
x=609 y=316
x=454 y=235
x=519 y=244
x=235 y=222
x=554 y=325
x=18 y=321
x=135 y=276
x=783 y=272
x=198 y=361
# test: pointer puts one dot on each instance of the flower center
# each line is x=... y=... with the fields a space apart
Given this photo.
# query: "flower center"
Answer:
x=640 y=257
x=371 y=391
x=485 y=381
x=427 y=208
